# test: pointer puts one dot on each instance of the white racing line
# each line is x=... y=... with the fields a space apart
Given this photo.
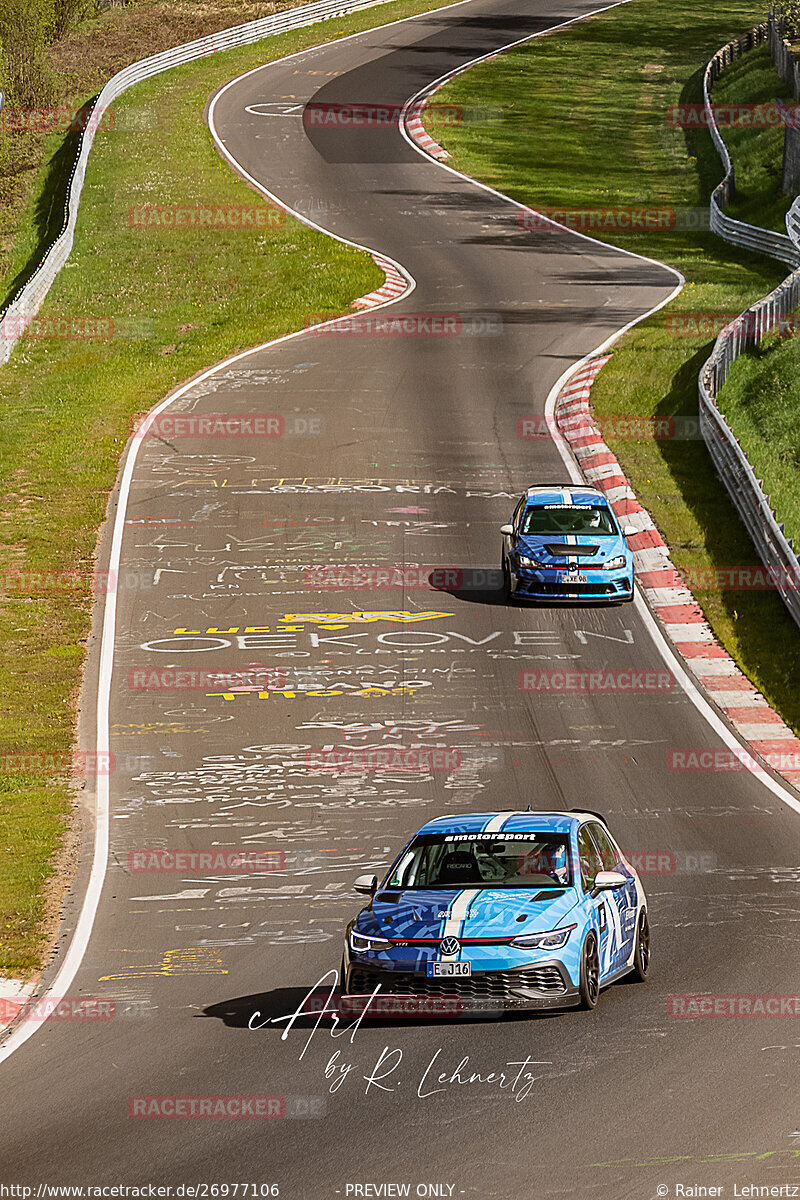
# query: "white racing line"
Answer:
x=80 y=939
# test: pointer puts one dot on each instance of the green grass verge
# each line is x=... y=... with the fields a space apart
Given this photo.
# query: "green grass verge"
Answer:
x=605 y=141
x=761 y=402
x=180 y=300
x=761 y=399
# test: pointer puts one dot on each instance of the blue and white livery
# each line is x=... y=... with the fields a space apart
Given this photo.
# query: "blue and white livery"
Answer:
x=565 y=543
x=528 y=909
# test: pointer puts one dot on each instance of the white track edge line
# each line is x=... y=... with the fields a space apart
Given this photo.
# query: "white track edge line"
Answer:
x=671 y=657
x=83 y=928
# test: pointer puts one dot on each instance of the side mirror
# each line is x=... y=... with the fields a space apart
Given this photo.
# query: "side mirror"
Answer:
x=605 y=881
x=507 y=529
x=367 y=884
x=629 y=530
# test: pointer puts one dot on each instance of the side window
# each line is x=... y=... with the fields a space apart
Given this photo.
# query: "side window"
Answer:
x=606 y=848
x=589 y=857
x=403 y=873
x=518 y=511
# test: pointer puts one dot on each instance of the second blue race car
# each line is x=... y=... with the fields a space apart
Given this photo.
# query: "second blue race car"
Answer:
x=565 y=543
x=524 y=909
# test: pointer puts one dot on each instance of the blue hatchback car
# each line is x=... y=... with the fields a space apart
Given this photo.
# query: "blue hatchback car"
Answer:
x=565 y=543
x=525 y=909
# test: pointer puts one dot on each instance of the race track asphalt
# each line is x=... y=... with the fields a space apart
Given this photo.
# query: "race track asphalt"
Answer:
x=398 y=451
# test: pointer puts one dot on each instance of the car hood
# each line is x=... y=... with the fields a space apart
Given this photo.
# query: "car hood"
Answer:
x=587 y=549
x=492 y=912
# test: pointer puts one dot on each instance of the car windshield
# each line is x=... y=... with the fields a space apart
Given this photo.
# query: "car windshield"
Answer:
x=557 y=520
x=514 y=860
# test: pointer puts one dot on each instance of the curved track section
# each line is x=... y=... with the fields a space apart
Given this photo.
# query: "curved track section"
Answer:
x=414 y=460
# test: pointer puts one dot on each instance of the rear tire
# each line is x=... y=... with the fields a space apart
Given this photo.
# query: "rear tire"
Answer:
x=589 y=987
x=641 y=954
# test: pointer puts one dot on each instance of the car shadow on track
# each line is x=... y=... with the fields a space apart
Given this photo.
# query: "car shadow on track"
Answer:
x=272 y=1011
x=484 y=585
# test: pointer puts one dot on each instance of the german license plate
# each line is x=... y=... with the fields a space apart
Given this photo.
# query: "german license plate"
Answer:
x=574 y=579
x=454 y=968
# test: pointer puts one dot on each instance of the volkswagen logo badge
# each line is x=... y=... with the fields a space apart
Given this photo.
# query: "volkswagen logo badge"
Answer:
x=450 y=945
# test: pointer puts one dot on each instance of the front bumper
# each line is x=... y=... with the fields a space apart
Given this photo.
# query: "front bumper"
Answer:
x=544 y=985
x=529 y=583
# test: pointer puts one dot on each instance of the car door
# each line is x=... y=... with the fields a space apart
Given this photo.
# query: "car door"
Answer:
x=622 y=902
x=590 y=863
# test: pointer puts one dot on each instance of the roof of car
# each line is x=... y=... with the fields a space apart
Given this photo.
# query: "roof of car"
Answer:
x=507 y=821
x=567 y=495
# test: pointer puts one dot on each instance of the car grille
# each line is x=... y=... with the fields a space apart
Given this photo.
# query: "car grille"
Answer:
x=486 y=985
x=560 y=589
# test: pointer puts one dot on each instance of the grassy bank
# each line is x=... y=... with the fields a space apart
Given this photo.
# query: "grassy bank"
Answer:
x=179 y=299
x=761 y=399
x=612 y=145
x=54 y=56
x=757 y=152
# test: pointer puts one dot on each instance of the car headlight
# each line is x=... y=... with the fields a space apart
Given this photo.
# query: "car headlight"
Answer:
x=359 y=941
x=555 y=939
x=526 y=562
x=616 y=564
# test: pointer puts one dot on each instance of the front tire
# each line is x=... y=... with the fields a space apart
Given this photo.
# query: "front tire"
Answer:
x=641 y=954
x=505 y=587
x=589 y=987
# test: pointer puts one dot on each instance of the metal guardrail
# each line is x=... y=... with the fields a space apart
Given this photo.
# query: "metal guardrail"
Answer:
x=793 y=222
x=751 y=237
x=16 y=317
x=782 y=25
x=773 y=547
